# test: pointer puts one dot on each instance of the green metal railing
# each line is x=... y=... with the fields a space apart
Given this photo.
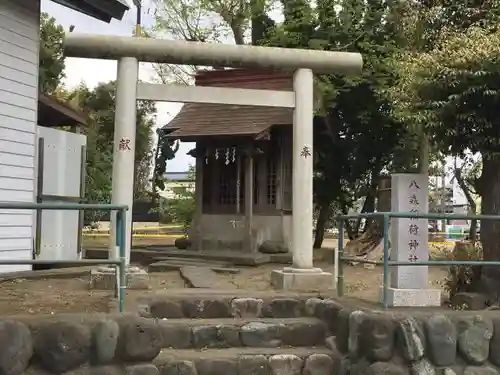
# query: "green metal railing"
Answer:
x=386 y=262
x=120 y=263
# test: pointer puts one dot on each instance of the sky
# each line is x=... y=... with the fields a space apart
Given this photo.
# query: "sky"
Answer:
x=92 y=72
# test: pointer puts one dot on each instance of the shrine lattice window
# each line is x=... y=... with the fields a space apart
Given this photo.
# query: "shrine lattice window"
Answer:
x=271 y=180
x=222 y=191
x=286 y=171
x=256 y=179
x=227 y=183
x=207 y=184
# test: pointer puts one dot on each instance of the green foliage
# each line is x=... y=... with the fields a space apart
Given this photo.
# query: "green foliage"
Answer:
x=146 y=120
x=450 y=88
x=453 y=90
x=99 y=153
x=182 y=208
x=460 y=278
x=51 y=57
x=214 y=20
x=100 y=104
x=353 y=111
x=165 y=150
x=164 y=214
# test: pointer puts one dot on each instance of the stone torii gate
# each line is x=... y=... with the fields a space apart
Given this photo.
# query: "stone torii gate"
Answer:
x=129 y=51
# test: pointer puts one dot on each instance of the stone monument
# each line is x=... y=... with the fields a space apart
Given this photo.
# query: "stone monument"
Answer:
x=409 y=243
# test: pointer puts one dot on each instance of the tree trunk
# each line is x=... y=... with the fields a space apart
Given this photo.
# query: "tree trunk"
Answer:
x=350 y=231
x=473 y=231
x=324 y=215
x=261 y=23
x=489 y=190
x=470 y=201
x=238 y=32
x=368 y=205
x=372 y=238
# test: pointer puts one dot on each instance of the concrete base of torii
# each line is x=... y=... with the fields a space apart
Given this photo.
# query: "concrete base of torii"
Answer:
x=302 y=279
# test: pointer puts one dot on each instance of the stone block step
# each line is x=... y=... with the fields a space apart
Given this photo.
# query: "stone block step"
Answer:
x=246 y=361
x=164 y=265
x=208 y=263
x=228 y=333
x=214 y=303
x=202 y=277
x=235 y=257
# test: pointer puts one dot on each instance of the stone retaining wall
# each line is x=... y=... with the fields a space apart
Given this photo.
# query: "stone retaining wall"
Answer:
x=413 y=341
x=362 y=342
x=79 y=344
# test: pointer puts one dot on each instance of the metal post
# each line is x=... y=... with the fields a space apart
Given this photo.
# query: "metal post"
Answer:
x=81 y=213
x=119 y=245
x=339 y=263
x=39 y=199
x=238 y=184
x=138 y=4
x=124 y=147
x=385 y=290
x=302 y=217
x=443 y=198
x=121 y=229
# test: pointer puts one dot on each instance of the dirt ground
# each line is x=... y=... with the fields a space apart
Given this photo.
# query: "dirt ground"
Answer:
x=49 y=296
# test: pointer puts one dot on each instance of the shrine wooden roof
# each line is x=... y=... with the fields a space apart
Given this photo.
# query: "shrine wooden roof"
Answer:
x=197 y=120
x=55 y=112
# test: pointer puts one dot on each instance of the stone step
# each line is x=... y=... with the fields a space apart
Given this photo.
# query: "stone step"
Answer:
x=164 y=266
x=230 y=256
x=202 y=277
x=208 y=263
x=229 y=333
x=214 y=303
x=246 y=361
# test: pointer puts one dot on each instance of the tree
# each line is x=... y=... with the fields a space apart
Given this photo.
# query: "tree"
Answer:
x=51 y=56
x=208 y=21
x=165 y=150
x=467 y=175
x=353 y=110
x=218 y=21
x=453 y=90
x=146 y=120
x=182 y=207
x=99 y=103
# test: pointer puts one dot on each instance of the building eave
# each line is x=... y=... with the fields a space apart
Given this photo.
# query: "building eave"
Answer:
x=52 y=112
x=103 y=10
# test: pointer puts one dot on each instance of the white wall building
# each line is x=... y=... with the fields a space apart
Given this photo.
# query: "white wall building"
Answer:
x=19 y=107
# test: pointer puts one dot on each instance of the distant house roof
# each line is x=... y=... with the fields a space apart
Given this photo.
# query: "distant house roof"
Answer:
x=103 y=10
x=177 y=176
x=197 y=120
x=54 y=112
